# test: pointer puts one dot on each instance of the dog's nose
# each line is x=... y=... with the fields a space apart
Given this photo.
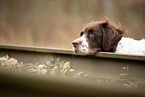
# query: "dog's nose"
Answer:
x=75 y=44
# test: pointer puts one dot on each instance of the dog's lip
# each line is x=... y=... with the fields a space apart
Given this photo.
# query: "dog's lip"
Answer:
x=79 y=52
x=91 y=52
x=76 y=51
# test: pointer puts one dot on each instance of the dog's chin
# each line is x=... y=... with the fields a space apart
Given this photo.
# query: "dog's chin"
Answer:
x=90 y=52
x=80 y=53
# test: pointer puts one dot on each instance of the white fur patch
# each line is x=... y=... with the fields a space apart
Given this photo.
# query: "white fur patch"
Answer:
x=83 y=47
x=131 y=46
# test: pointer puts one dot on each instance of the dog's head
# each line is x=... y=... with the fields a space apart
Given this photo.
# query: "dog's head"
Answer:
x=97 y=36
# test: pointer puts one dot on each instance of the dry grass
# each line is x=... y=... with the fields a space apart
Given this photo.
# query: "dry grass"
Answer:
x=55 y=23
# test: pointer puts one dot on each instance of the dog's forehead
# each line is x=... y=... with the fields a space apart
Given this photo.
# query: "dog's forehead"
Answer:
x=91 y=25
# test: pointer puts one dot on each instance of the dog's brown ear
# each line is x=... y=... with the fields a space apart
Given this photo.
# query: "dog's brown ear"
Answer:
x=110 y=36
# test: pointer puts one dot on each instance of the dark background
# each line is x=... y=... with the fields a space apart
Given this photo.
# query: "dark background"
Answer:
x=56 y=23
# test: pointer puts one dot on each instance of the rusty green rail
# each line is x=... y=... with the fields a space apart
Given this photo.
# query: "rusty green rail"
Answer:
x=102 y=65
x=69 y=51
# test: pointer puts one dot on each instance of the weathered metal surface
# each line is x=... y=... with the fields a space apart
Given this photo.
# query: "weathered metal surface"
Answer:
x=68 y=51
x=102 y=65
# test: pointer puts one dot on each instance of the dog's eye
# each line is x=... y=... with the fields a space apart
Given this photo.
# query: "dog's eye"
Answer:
x=81 y=34
x=91 y=33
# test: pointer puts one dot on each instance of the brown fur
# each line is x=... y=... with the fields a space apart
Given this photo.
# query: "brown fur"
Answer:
x=101 y=36
x=111 y=34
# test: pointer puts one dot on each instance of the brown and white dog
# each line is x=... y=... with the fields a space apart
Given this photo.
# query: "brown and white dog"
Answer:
x=103 y=36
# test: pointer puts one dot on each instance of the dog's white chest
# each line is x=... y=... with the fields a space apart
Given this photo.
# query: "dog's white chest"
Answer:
x=131 y=46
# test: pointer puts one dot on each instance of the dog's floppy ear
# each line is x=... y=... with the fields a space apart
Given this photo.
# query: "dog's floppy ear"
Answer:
x=110 y=36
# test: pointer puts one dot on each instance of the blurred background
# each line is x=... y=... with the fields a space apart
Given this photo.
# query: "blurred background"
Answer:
x=56 y=23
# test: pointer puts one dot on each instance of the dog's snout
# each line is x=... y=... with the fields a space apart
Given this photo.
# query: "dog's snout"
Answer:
x=75 y=43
